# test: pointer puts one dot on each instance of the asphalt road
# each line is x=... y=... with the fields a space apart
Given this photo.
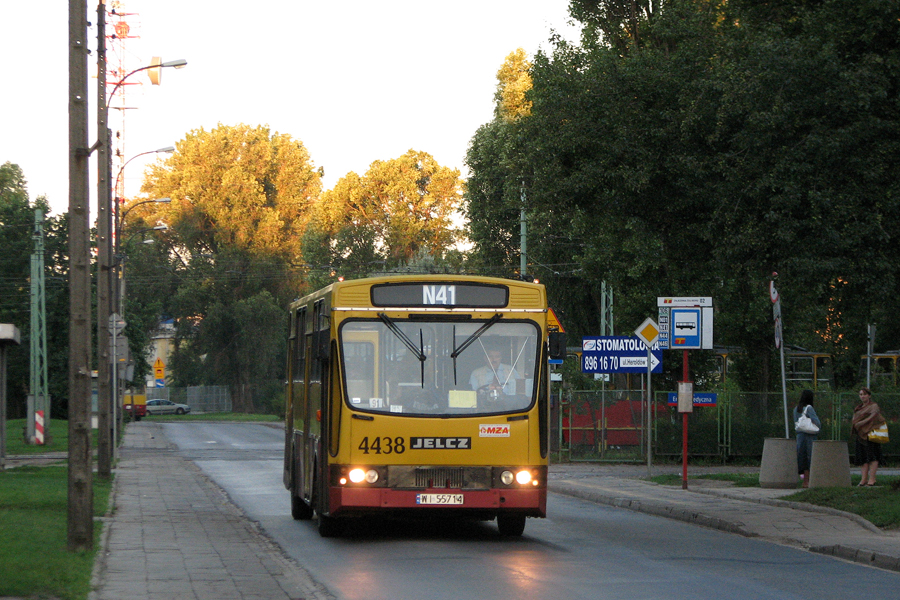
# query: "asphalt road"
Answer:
x=582 y=550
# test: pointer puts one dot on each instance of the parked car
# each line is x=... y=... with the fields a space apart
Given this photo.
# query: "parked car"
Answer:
x=166 y=407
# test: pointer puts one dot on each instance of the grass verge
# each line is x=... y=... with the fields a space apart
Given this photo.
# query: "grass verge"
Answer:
x=34 y=561
x=879 y=505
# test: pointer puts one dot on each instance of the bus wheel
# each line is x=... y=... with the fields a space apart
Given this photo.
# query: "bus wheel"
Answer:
x=300 y=510
x=329 y=527
x=511 y=525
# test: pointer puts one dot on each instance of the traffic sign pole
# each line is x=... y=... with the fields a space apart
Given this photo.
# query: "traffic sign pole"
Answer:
x=649 y=334
x=685 y=377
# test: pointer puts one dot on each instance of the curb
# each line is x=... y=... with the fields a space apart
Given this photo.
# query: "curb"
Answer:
x=856 y=555
x=103 y=545
x=813 y=508
x=865 y=557
x=653 y=508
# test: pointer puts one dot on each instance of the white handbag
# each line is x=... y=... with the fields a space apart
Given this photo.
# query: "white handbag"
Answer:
x=804 y=424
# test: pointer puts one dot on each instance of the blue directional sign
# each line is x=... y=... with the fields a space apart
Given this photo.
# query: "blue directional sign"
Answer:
x=618 y=354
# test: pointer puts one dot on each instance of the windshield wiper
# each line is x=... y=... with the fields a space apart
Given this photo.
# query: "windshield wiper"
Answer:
x=469 y=340
x=417 y=352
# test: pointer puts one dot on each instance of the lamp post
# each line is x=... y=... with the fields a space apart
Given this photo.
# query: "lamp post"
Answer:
x=106 y=402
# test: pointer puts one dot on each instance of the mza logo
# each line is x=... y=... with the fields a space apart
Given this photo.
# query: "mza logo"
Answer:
x=493 y=430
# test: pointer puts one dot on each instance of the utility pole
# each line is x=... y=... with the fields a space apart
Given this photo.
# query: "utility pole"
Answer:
x=39 y=396
x=80 y=534
x=523 y=243
x=104 y=194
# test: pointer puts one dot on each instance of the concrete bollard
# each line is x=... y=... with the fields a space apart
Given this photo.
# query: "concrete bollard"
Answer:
x=830 y=464
x=779 y=464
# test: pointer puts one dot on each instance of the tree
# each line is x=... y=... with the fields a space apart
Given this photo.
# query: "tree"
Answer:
x=16 y=247
x=239 y=187
x=493 y=198
x=228 y=264
x=401 y=208
x=693 y=148
x=514 y=82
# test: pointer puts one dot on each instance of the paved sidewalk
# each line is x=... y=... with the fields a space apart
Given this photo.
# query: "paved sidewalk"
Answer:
x=175 y=535
x=752 y=512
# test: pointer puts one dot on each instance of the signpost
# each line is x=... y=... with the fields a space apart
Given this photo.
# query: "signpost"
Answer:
x=685 y=323
x=159 y=373
x=779 y=343
x=648 y=332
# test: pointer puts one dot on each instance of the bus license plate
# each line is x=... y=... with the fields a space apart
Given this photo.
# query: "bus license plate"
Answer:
x=439 y=498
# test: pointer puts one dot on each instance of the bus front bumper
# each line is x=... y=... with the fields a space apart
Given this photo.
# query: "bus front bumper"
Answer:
x=359 y=500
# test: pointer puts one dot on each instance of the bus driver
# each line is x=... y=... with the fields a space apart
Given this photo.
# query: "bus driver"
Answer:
x=494 y=378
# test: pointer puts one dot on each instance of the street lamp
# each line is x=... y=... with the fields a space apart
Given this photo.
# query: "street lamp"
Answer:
x=105 y=399
x=154 y=75
x=167 y=149
x=120 y=220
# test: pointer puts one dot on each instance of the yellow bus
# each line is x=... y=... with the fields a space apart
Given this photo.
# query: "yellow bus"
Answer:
x=419 y=395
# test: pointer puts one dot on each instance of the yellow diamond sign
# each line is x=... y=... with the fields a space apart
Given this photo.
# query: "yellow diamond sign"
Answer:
x=648 y=332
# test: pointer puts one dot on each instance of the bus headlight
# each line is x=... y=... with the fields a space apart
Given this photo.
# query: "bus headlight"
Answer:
x=523 y=477
x=507 y=477
x=359 y=475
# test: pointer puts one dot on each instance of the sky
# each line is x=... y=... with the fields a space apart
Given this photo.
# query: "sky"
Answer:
x=355 y=81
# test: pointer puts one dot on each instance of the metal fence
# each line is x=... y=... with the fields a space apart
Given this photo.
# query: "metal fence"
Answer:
x=201 y=399
x=611 y=425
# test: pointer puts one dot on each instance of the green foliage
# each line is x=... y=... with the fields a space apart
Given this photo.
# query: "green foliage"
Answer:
x=225 y=270
x=694 y=148
x=16 y=247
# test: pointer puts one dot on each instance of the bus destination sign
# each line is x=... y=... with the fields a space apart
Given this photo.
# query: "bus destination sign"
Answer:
x=467 y=295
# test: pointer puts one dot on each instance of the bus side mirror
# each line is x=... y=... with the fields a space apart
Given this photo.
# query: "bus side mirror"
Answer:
x=557 y=342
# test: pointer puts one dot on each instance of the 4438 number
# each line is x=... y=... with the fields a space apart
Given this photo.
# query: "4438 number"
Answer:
x=383 y=445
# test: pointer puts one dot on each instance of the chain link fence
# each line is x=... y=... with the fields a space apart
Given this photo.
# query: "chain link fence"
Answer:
x=201 y=399
x=611 y=425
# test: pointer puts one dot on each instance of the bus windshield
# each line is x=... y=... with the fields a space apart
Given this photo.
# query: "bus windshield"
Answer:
x=439 y=368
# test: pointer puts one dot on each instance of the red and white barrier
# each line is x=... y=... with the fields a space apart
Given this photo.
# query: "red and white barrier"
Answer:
x=38 y=427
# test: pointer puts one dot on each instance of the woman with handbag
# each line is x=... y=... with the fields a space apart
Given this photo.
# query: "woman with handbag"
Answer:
x=807 y=425
x=867 y=454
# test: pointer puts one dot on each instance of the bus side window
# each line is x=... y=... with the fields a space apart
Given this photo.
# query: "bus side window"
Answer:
x=298 y=387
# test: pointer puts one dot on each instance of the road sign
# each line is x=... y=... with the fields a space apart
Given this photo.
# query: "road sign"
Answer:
x=159 y=372
x=648 y=331
x=553 y=321
x=684 y=329
x=618 y=354
x=700 y=399
x=685 y=323
x=672 y=302
x=116 y=323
